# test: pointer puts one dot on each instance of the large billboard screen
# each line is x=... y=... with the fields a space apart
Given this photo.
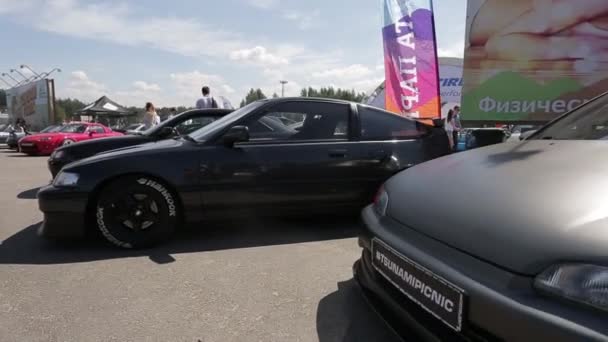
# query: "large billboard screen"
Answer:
x=31 y=102
x=531 y=60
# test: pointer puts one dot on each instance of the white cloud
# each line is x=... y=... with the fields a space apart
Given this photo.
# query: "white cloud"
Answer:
x=304 y=21
x=258 y=55
x=454 y=50
x=120 y=25
x=350 y=72
x=144 y=86
x=80 y=86
x=264 y=4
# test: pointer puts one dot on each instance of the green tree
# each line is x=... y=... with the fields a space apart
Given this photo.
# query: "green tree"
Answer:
x=252 y=96
x=275 y=95
x=60 y=114
x=334 y=93
x=69 y=106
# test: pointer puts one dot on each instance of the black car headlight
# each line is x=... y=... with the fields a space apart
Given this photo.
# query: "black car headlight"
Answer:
x=381 y=201
x=66 y=179
x=58 y=154
x=582 y=283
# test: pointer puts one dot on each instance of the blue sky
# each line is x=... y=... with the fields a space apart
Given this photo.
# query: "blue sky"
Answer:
x=163 y=51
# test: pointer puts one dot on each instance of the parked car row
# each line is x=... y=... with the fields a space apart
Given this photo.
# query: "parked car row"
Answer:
x=521 y=257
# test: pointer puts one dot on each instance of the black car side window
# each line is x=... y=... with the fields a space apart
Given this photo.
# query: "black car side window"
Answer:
x=96 y=129
x=296 y=121
x=380 y=125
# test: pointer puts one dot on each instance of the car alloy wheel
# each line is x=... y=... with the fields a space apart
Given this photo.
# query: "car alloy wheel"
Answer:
x=136 y=212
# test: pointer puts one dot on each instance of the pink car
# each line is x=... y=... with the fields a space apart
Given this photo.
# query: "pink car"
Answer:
x=46 y=143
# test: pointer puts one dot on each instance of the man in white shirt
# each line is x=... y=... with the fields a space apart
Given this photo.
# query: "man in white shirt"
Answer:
x=207 y=101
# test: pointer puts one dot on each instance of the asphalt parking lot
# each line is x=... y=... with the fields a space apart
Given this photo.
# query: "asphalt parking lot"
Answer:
x=279 y=280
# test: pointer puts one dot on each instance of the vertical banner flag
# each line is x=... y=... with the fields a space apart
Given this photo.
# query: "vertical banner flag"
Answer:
x=410 y=59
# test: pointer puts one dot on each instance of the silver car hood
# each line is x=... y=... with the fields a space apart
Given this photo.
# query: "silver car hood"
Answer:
x=522 y=206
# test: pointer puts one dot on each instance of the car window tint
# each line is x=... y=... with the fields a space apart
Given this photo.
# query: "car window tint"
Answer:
x=380 y=125
x=297 y=121
x=193 y=124
x=74 y=128
x=96 y=129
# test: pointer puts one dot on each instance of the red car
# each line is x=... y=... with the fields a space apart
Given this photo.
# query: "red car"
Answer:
x=46 y=143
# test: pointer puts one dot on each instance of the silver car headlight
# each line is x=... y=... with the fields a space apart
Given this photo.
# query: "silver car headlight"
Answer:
x=66 y=179
x=582 y=283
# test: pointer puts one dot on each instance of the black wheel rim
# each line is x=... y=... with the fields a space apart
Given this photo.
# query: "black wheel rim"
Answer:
x=135 y=211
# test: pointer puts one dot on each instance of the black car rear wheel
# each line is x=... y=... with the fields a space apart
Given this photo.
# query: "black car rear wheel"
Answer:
x=136 y=212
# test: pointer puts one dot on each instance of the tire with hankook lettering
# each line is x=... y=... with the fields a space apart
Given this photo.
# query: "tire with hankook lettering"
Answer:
x=136 y=212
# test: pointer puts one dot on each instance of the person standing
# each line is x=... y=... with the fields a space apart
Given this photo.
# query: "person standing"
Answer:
x=207 y=101
x=172 y=113
x=457 y=125
x=449 y=127
x=151 y=119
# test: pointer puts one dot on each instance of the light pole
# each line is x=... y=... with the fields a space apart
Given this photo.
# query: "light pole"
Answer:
x=11 y=77
x=20 y=74
x=24 y=66
x=3 y=80
x=46 y=74
x=283 y=83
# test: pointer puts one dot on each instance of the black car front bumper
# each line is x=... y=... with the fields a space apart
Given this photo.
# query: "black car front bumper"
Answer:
x=64 y=212
x=499 y=306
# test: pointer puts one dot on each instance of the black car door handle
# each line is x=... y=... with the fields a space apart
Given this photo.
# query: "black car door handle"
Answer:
x=337 y=153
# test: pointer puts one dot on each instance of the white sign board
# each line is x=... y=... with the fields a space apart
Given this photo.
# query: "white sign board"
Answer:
x=30 y=102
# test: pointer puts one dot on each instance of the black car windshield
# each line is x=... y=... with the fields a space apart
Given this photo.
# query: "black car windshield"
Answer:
x=589 y=122
x=73 y=128
x=204 y=133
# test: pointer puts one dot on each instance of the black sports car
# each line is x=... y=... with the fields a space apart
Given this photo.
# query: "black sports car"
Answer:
x=182 y=124
x=524 y=257
x=246 y=163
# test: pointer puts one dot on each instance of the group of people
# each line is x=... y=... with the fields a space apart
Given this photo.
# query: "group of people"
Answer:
x=151 y=118
x=453 y=126
x=20 y=126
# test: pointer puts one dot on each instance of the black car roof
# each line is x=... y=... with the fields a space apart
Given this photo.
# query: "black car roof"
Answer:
x=307 y=99
x=209 y=112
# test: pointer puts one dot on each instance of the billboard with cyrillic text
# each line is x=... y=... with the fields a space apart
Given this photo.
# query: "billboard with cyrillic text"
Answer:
x=533 y=60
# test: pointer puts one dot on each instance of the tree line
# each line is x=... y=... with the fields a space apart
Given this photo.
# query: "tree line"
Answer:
x=325 y=92
x=65 y=109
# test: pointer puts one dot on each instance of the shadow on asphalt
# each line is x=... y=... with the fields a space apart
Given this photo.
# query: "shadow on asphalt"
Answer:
x=345 y=316
x=26 y=247
x=20 y=155
x=29 y=194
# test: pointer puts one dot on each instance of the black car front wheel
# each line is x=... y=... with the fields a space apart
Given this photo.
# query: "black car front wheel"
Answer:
x=136 y=212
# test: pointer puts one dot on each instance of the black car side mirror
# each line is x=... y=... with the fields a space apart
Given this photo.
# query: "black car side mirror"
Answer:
x=235 y=135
